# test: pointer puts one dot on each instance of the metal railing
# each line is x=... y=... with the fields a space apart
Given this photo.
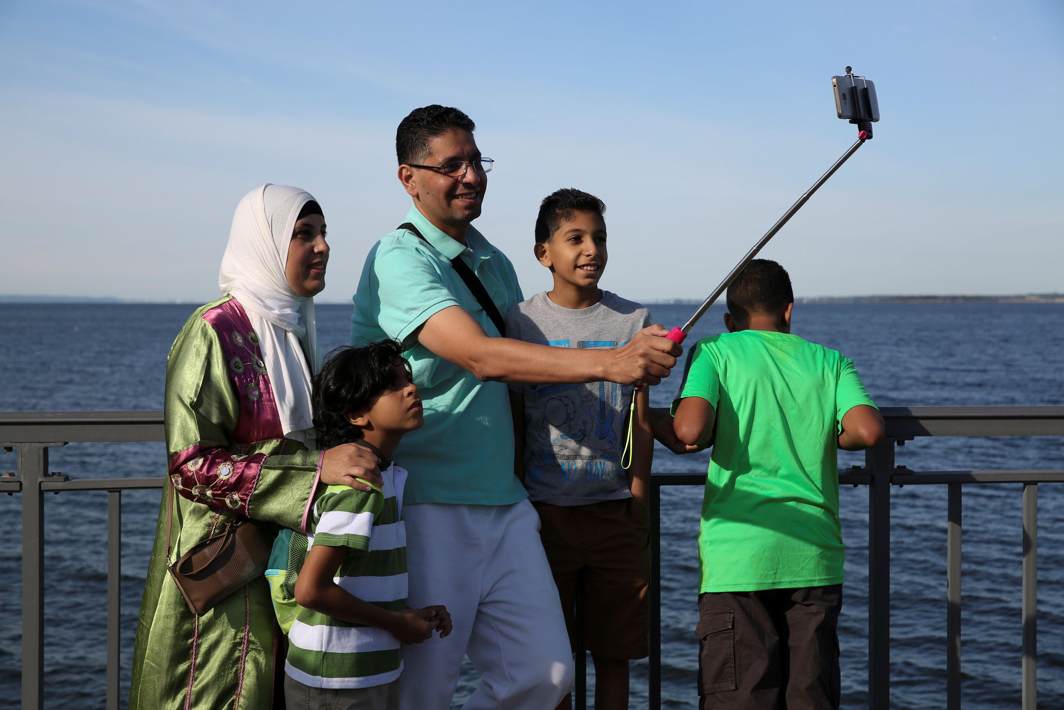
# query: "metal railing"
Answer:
x=879 y=474
x=33 y=434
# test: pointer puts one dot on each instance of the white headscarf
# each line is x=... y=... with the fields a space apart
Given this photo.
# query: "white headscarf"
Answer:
x=253 y=271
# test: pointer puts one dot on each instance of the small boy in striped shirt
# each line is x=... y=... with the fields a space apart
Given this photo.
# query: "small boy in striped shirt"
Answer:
x=352 y=616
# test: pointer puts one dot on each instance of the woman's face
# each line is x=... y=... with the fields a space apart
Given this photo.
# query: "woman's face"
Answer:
x=308 y=254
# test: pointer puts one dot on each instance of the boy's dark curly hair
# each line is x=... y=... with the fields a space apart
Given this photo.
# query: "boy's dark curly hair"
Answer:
x=350 y=381
x=763 y=286
x=422 y=125
x=559 y=205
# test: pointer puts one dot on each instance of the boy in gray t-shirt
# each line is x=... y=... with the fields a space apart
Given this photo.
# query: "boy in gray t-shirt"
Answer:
x=570 y=440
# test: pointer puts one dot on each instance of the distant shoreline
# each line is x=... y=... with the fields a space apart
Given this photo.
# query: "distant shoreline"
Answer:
x=1017 y=298
x=918 y=298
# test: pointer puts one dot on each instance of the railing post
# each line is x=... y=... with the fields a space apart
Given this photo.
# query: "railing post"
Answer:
x=953 y=598
x=879 y=462
x=1029 y=666
x=32 y=468
x=579 y=657
x=654 y=681
x=114 y=596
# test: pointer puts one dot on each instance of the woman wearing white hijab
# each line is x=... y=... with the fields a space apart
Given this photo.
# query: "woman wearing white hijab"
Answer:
x=240 y=445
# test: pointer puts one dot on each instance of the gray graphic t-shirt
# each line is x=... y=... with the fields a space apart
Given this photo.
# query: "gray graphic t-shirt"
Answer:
x=574 y=433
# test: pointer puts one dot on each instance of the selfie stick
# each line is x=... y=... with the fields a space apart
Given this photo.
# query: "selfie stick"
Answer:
x=677 y=335
x=854 y=100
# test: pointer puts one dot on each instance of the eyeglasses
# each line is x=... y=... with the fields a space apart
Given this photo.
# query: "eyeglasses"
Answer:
x=457 y=169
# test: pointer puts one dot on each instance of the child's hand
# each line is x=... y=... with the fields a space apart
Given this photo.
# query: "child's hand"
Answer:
x=412 y=625
x=441 y=618
x=417 y=625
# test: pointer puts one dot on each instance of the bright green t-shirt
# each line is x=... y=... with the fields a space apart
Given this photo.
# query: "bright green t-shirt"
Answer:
x=770 y=516
x=464 y=453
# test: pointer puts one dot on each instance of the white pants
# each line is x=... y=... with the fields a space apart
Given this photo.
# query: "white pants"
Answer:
x=487 y=565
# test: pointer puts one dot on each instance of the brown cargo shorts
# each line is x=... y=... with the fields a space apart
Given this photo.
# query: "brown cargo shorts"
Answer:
x=768 y=649
x=599 y=556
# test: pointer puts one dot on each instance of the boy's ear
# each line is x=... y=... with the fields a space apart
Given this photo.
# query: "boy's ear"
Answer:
x=787 y=312
x=358 y=419
x=542 y=255
x=729 y=323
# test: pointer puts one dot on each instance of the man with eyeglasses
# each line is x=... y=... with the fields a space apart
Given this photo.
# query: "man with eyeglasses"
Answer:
x=472 y=536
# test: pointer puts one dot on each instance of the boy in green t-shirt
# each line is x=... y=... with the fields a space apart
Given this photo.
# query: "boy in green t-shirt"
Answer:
x=775 y=408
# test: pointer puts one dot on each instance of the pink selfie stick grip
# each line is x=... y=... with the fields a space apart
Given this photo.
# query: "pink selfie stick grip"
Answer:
x=676 y=335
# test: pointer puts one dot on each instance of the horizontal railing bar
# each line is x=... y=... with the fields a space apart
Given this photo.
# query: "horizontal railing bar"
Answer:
x=34 y=427
x=10 y=486
x=686 y=478
x=902 y=423
x=914 y=478
x=103 y=484
x=102 y=416
x=974 y=412
x=911 y=422
x=857 y=476
x=847 y=477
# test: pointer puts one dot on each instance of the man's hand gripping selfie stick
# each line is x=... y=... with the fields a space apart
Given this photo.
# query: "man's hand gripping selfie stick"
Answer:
x=855 y=99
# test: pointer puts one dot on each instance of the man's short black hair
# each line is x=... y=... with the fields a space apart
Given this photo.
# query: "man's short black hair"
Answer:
x=350 y=381
x=422 y=125
x=763 y=286
x=559 y=205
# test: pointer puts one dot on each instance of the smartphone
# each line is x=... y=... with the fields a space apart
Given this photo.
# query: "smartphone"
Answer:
x=855 y=98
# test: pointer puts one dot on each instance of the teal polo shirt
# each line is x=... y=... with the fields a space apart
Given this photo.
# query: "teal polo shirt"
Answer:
x=464 y=453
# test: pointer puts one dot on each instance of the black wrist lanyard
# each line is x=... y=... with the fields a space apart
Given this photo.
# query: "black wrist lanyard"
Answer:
x=471 y=281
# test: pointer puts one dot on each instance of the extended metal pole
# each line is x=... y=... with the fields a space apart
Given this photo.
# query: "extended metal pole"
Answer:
x=861 y=138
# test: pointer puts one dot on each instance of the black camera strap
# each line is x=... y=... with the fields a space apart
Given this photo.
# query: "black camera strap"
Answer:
x=471 y=281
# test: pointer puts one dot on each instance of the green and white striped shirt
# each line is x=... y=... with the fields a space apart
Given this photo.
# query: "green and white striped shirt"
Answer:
x=328 y=653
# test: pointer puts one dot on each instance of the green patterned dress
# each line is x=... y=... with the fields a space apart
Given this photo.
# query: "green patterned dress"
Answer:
x=227 y=458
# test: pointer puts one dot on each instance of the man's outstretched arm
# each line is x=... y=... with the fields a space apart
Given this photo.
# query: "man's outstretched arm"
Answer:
x=456 y=337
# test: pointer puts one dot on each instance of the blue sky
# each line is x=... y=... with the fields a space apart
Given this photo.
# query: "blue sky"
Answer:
x=131 y=130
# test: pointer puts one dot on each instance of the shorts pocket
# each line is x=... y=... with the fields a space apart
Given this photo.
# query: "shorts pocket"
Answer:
x=638 y=518
x=716 y=652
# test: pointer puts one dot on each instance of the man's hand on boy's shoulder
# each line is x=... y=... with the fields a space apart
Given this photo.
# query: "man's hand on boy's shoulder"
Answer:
x=646 y=359
x=661 y=425
x=351 y=465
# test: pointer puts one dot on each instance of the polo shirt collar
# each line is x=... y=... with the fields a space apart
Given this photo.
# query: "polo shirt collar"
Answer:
x=450 y=247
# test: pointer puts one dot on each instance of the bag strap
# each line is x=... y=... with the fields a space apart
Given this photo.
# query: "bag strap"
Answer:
x=471 y=281
x=188 y=567
x=171 y=503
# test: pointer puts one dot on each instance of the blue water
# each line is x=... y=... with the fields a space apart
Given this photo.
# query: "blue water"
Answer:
x=96 y=357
